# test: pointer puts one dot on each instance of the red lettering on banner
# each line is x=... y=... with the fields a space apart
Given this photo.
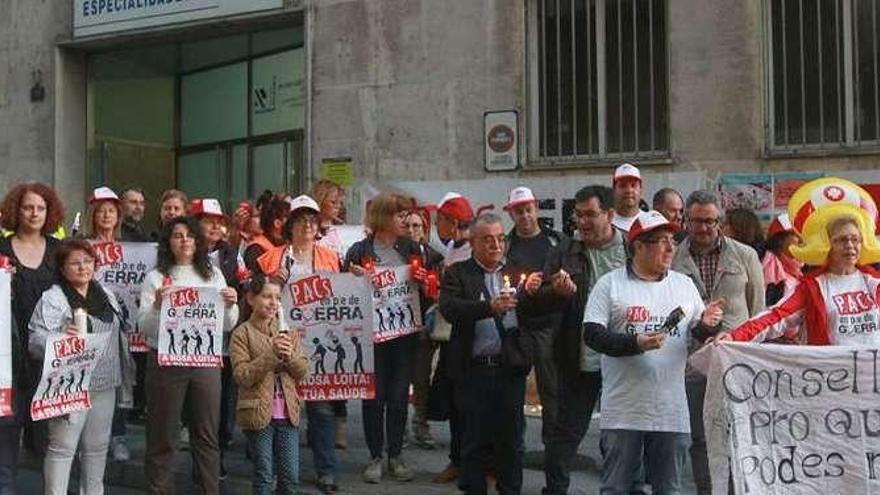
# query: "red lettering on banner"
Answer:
x=69 y=346
x=635 y=314
x=108 y=253
x=184 y=297
x=852 y=303
x=384 y=279
x=311 y=289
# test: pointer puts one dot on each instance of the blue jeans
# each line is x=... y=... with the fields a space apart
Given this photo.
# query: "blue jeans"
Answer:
x=387 y=412
x=322 y=437
x=622 y=460
x=492 y=408
x=579 y=394
x=275 y=447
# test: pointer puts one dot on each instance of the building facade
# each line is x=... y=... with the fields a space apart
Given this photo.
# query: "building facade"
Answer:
x=229 y=97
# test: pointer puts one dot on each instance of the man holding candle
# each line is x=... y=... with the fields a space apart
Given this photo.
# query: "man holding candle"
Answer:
x=528 y=244
x=483 y=308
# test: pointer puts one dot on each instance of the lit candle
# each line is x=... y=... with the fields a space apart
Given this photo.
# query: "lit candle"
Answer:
x=368 y=263
x=433 y=290
x=522 y=279
x=507 y=282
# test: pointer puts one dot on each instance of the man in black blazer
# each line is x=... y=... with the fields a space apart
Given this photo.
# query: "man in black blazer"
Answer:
x=477 y=298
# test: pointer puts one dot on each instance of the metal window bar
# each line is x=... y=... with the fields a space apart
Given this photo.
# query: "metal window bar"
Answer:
x=803 y=73
x=543 y=78
x=635 y=79
x=651 y=72
x=558 y=59
x=820 y=75
x=857 y=86
x=874 y=59
x=841 y=124
x=620 y=75
x=785 y=126
x=574 y=86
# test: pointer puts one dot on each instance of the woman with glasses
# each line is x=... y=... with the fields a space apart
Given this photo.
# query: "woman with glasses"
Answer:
x=182 y=262
x=302 y=255
x=837 y=306
x=86 y=433
x=31 y=212
x=385 y=416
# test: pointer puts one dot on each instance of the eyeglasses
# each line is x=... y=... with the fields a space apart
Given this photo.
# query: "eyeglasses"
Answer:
x=846 y=239
x=83 y=263
x=189 y=236
x=587 y=215
x=668 y=241
x=309 y=221
x=703 y=222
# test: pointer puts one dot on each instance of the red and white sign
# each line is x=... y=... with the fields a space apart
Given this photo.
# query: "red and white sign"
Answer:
x=67 y=373
x=501 y=140
x=191 y=328
x=122 y=267
x=396 y=307
x=331 y=314
x=6 y=408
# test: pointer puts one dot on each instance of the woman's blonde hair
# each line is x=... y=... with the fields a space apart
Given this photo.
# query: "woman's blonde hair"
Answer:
x=839 y=221
x=383 y=208
x=93 y=210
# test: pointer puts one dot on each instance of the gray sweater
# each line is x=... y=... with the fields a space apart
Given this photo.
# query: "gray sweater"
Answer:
x=52 y=315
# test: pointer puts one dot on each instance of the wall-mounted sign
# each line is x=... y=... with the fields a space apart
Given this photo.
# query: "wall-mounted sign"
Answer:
x=501 y=140
x=92 y=17
x=339 y=170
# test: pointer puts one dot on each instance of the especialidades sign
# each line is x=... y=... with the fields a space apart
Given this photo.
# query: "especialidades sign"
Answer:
x=92 y=17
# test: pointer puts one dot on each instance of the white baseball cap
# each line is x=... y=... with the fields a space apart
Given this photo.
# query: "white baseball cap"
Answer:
x=303 y=201
x=205 y=207
x=627 y=170
x=103 y=194
x=648 y=221
x=518 y=196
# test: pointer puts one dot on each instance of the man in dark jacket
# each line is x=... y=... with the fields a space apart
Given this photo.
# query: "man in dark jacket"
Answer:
x=570 y=272
x=478 y=299
x=133 y=207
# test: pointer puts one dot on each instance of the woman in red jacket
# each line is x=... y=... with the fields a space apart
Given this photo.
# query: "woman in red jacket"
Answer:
x=836 y=306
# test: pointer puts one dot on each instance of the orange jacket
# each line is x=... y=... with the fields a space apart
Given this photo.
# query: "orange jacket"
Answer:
x=323 y=259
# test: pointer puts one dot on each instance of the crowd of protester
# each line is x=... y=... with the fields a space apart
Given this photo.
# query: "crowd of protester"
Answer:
x=589 y=313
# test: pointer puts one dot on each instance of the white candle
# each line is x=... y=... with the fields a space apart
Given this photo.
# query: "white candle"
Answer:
x=282 y=326
x=81 y=320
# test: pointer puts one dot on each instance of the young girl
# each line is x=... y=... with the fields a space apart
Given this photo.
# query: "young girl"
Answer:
x=266 y=365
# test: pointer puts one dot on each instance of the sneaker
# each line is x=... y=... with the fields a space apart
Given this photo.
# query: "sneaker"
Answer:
x=399 y=471
x=326 y=484
x=373 y=471
x=448 y=475
x=119 y=450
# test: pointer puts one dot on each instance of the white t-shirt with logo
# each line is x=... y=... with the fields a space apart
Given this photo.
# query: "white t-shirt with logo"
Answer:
x=852 y=310
x=645 y=392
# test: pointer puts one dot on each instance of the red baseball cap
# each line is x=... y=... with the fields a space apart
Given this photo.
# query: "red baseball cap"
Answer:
x=780 y=224
x=648 y=221
x=456 y=206
x=518 y=196
x=627 y=171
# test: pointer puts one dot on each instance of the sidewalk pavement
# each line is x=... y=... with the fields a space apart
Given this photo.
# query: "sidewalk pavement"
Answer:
x=128 y=478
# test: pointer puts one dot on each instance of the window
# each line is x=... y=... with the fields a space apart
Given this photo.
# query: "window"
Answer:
x=823 y=74
x=599 y=81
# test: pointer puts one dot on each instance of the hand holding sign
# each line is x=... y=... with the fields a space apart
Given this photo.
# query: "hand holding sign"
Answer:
x=230 y=297
x=713 y=313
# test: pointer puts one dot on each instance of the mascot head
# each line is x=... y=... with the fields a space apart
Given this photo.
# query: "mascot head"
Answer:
x=818 y=202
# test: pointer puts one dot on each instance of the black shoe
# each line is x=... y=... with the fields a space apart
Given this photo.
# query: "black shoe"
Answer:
x=223 y=473
x=325 y=484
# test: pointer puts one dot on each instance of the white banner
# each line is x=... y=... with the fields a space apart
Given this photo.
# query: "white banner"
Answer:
x=792 y=419
x=191 y=328
x=6 y=408
x=332 y=314
x=122 y=267
x=67 y=372
x=107 y=16
x=396 y=309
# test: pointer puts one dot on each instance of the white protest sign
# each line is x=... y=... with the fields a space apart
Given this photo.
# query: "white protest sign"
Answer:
x=122 y=267
x=191 y=328
x=396 y=310
x=332 y=314
x=6 y=408
x=67 y=372
x=792 y=419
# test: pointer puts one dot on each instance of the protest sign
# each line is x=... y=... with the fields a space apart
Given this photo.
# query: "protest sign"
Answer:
x=67 y=372
x=191 y=328
x=396 y=310
x=331 y=314
x=5 y=344
x=122 y=267
x=750 y=191
x=792 y=419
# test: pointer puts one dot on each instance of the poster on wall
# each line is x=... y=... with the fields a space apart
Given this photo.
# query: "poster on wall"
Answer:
x=785 y=184
x=501 y=140
x=396 y=307
x=338 y=170
x=122 y=267
x=331 y=314
x=191 y=328
x=6 y=408
x=67 y=372
x=751 y=191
